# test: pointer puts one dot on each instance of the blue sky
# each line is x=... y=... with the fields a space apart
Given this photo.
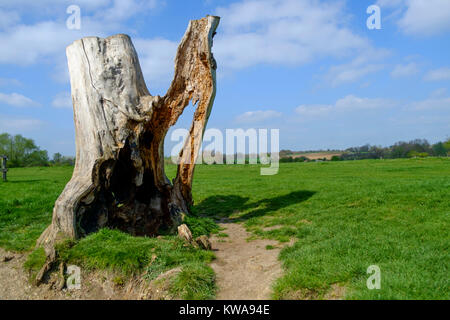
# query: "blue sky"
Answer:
x=310 y=68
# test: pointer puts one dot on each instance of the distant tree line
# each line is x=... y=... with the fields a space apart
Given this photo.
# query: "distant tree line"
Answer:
x=418 y=148
x=60 y=160
x=289 y=159
x=412 y=149
x=23 y=152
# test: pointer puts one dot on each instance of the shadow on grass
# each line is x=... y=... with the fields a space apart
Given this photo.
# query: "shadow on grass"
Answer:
x=223 y=206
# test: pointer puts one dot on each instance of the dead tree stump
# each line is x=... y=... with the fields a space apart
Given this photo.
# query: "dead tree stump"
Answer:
x=119 y=180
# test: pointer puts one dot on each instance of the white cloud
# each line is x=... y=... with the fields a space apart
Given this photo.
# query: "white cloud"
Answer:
x=284 y=32
x=364 y=64
x=421 y=17
x=29 y=43
x=432 y=103
x=257 y=116
x=314 y=110
x=346 y=104
x=89 y=6
x=396 y=8
x=352 y=102
x=156 y=57
x=18 y=125
x=405 y=70
x=62 y=100
x=390 y=3
x=17 y=100
x=9 y=82
x=124 y=9
x=8 y=18
x=438 y=74
x=45 y=40
x=439 y=93
x=426 y=17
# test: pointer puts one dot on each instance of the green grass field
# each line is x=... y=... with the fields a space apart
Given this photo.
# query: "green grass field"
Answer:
x=344 y=216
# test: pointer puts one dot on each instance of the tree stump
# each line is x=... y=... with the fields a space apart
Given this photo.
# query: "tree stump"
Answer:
x=119 y=180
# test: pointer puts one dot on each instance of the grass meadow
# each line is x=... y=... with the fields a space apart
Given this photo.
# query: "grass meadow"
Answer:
x=343 y=217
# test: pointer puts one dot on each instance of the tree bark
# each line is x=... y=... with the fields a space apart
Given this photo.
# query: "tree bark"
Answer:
x=119 y=179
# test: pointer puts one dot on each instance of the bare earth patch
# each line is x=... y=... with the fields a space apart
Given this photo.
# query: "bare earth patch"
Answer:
x=244 y=269
x=15 y=284
x=317 y=155
x=337 y=291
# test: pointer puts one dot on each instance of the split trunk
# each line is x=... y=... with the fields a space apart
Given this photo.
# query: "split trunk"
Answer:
x=119 y=179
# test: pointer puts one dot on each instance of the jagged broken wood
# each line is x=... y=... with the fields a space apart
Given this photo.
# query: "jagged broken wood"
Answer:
x=119 y=179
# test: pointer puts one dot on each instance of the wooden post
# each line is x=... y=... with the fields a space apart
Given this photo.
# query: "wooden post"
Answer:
x=4 y=167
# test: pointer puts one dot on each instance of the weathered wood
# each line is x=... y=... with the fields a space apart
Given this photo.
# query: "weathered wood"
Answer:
x=119 y=179
x=4 y=159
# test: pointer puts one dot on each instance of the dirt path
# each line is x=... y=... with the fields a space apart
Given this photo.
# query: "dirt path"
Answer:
x=14 y=284
x=245 y=269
